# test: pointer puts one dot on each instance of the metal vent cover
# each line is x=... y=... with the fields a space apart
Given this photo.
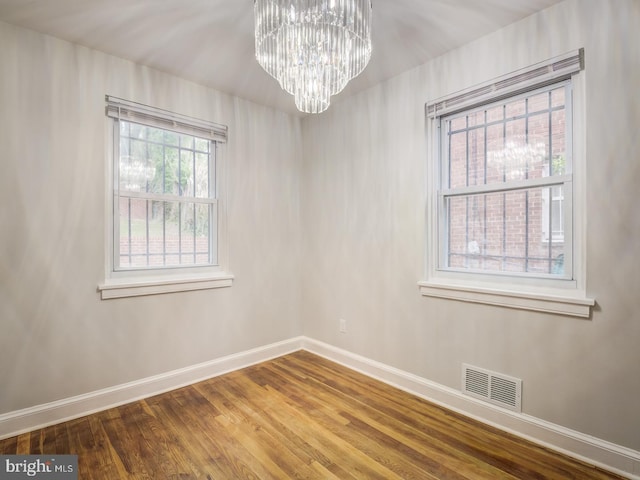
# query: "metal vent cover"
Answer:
x=492 y=387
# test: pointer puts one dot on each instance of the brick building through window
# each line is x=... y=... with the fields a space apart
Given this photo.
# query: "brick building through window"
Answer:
x=504 y=174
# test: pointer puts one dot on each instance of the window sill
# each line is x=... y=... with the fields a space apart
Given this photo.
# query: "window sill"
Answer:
x=575 y=306
x=121 y=288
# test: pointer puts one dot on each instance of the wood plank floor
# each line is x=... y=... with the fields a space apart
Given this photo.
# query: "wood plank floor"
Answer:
x=298 y=416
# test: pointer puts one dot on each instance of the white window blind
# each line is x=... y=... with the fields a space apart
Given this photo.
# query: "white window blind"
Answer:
x=120 y=109
x=535 y=76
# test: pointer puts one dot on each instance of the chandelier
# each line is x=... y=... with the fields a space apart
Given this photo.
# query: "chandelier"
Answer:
x=313 y=47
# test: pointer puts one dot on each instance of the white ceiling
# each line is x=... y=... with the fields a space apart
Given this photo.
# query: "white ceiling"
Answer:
x=211 y=41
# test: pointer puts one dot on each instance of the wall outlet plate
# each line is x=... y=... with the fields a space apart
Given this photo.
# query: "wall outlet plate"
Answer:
x=343 y=326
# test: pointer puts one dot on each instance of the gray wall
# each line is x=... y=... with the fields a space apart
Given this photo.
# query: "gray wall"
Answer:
x=364 y=238
x=326 y=221
x=58 y=339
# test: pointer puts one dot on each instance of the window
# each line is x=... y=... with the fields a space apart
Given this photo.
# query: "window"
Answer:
x=166 y=225
x=165 y=202
x=503 y=227
x=505 y=167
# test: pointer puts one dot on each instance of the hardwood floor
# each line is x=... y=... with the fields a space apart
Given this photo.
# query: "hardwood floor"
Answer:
x=298 y=416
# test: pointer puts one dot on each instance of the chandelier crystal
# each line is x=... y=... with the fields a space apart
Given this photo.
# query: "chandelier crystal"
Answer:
x=313 y=47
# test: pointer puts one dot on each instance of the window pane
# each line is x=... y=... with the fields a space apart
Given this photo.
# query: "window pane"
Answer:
x=476 y=174
x=552 y=214
x=515 y=108
x=147 y=164
x=187 y=236
x=508 y=142
x=202 y=175
x=503 y=211
x=495 y=113
x=202 y=145
x=538 y=103
x=172 y=171
x=475 y=118
x=515 y=158
x=156 y=234
x=505 y=232
x=156 y=161
x=186 y=171
x=135 y=169
x=137 y=131
x=133 y=232
x=155 y=231
x=170 y=138
x=136 y=175
x=538 y=145
x=558 y=140
x=155 y=135
x=459 y=123
x=202 y=229
x=495 y=143
x=458 y=160
x=557 y=97
x=186 y=142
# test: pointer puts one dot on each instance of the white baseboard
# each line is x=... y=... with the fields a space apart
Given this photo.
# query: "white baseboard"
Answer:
x=39 y=416
x=621 y=460
x=610 y=456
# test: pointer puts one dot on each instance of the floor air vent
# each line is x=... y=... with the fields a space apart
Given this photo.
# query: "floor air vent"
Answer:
x=493 y=387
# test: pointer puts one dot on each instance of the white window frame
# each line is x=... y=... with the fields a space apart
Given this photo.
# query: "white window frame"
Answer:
x=565 y=180
x=566 y=295
x=127 y=282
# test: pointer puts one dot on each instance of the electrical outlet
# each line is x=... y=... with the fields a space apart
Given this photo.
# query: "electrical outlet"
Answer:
x=343 y=325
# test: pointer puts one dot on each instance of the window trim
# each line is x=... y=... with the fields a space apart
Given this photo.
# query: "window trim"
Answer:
x=575 y=306
x=552 y=295
x=113 y=288
x=119 y=283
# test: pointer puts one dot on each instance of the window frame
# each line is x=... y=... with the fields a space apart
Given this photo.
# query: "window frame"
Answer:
x=128 y=282
x=446 y=192
x=120 y=194
x=566 y=296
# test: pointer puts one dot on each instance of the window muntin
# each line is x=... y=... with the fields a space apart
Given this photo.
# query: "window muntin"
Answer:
x=499 y=163
x=165 y=205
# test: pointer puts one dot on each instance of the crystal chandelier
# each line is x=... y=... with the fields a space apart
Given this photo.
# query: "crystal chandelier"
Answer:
x=313 y=47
